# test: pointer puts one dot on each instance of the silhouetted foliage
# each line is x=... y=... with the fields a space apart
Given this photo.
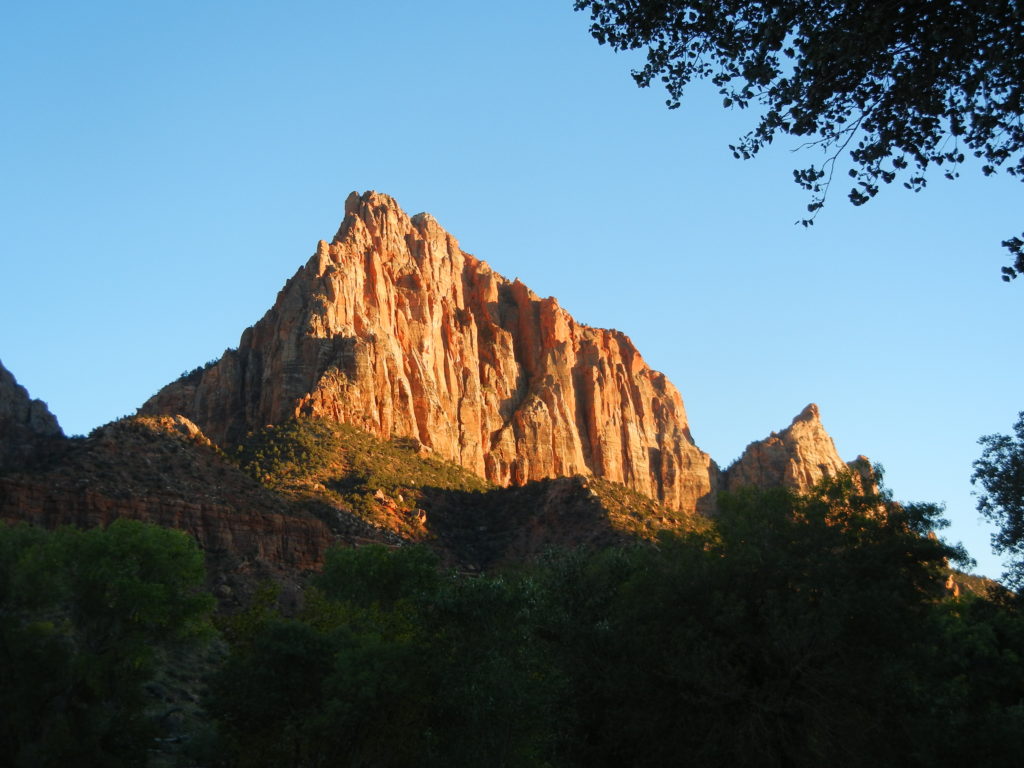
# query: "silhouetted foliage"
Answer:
x=902 y=86
x=975 y=683
x=1000 y=471
x=785 y=638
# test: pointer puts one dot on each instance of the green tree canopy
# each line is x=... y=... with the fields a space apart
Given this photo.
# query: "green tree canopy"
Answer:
x=791 y=636
x=392 y=663
x=1000 y=471
x=901 y=86
x=82 y=615
x=798 y=631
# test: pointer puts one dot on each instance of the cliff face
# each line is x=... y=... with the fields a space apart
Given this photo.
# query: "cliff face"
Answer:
x=799 y=457
x=393 y=328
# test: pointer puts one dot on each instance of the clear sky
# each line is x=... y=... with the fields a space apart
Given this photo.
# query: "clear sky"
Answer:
x=165 y=167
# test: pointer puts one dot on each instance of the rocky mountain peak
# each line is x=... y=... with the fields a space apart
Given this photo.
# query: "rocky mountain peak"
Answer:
x=799 y=457
x=393 y=328
x=809 y=413
x=19 y=411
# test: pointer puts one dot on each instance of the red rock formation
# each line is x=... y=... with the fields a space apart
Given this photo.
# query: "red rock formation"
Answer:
x=164 y=471
x=393 y=328
x=799 y=457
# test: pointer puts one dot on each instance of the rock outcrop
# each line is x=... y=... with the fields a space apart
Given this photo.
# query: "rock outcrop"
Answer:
x=164 y=471
x=393 y=328
x=26 y=425
x=799 y=457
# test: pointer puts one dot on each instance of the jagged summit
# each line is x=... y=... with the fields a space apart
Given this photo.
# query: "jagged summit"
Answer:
x=393 y=328
x=19 y=410
x=809 y=413
x=799 y=457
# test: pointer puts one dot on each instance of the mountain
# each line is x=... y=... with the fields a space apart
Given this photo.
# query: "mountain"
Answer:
x=398 y=390
x=393 y=328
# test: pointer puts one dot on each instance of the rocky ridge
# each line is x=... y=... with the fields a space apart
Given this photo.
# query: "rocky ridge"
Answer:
x=165 y=471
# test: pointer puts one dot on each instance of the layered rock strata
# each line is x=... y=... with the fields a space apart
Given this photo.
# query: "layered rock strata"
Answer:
x=164 y=471
x=393 y=328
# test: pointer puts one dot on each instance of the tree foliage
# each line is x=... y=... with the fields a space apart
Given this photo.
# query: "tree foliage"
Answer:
x=901 y=86
x=82 y=615
x=798 y=631
x=1000 y=471
x=787 y=638
x=392 y=663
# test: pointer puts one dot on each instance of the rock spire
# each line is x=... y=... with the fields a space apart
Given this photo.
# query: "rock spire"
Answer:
x=799 y=457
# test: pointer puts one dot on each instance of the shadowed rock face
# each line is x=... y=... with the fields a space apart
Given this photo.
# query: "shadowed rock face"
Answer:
x=393 y=328
x=25 y=424
x=799 y=457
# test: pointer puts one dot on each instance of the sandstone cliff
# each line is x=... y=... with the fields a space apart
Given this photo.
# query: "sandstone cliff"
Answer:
x=393 y=328
x=799 y=457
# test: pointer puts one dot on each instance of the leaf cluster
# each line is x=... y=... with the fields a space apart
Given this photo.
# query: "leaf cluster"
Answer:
x=898 y=87
x=392 y=663
x=1000 y=471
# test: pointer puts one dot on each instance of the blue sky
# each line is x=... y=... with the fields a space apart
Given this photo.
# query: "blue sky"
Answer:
x=167 y=166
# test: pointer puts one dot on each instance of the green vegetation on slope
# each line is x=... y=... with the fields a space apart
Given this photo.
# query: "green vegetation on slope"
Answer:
x=311 y=450
x=351 y=468
x=394 y=486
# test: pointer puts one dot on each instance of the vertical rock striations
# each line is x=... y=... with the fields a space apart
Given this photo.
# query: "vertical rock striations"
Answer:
x=393 y=328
